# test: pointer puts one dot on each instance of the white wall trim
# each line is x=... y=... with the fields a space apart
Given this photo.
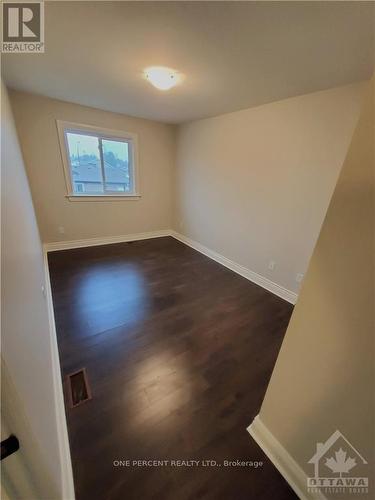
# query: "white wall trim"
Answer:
x=107 y=240
x=282 y=460
x=67 y=483
x=291 y=471
x=104 y=133
x=269 y=285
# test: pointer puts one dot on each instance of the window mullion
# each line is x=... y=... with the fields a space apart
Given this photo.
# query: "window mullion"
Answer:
x=102 y=163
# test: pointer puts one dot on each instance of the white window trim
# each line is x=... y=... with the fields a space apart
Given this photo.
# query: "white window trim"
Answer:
x=104 y=133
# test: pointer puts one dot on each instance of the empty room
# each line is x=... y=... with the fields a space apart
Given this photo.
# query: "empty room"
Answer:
x=187 y=241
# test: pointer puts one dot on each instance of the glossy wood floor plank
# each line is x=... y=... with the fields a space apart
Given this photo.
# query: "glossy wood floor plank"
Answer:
x=178 y=351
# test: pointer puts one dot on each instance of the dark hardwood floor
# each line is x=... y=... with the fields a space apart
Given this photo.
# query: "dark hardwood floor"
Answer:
x=178 y=351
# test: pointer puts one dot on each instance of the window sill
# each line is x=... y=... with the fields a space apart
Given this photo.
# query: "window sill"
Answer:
x=103 y=197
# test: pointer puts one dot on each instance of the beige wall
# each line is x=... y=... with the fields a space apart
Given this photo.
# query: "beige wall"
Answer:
x=36 y=124
x=324 y=376
x=254 y=185
x=25 y=333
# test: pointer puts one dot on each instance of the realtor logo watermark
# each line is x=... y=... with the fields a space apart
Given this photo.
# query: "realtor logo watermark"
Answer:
x=23 y=27
x=338 y=468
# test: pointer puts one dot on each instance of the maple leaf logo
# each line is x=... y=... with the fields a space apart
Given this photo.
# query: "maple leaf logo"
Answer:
x=340 y=464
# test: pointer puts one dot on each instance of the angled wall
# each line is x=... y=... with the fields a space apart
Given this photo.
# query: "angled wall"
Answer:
x=324 y=376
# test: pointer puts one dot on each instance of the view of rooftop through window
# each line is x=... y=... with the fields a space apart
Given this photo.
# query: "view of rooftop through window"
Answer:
x=98 y=165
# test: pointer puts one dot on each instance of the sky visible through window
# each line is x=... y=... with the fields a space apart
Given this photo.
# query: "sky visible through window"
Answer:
x=86 y=168
x=88 y=145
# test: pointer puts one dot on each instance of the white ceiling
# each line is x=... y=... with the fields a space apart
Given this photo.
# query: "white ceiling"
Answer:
x=234 y=54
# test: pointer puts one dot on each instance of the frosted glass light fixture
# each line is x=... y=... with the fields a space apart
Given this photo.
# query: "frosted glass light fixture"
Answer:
x=162 y=78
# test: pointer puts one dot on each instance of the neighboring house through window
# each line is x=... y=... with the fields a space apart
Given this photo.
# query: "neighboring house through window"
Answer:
x=98 y=162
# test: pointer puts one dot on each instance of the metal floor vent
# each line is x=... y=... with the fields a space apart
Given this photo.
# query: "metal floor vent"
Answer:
x=78 y=388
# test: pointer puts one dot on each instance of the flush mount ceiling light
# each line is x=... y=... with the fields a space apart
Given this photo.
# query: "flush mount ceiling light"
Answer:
x=162 y=78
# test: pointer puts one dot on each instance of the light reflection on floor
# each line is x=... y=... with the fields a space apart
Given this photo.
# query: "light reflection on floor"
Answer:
x=164 y=387
x=105 y=300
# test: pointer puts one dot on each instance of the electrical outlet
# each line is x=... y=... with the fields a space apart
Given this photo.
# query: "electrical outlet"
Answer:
x=61 y=229
x=271 y=265
x=299 y=277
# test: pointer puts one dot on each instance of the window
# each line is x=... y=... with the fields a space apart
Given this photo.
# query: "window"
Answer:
x=98 y=163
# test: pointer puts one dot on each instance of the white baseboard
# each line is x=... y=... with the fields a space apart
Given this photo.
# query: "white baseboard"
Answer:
x=67 y=483
x=107 y=240
x=273 y=449
x=269 y=285
x=282 y=460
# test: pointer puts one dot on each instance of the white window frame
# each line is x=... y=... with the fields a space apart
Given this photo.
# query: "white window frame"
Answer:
x=63 y=127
